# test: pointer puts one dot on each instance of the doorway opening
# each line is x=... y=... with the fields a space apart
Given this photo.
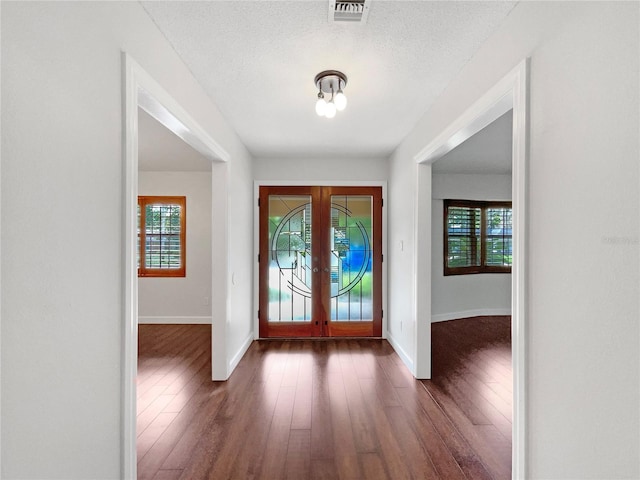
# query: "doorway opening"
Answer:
x=510 y=93
x=471 y=257
x=142 y=91
x=320 y=261
x=472 y=226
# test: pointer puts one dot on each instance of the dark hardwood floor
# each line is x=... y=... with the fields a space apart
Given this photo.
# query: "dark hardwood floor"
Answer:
x=471 y=381
x=329 y=409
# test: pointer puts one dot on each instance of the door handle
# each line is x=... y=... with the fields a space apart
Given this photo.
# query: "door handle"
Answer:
x=315 y=269
x=326 y=270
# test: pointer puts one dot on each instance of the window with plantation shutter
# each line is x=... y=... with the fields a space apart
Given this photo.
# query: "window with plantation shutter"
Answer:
x=477 y=237
x=161 y=236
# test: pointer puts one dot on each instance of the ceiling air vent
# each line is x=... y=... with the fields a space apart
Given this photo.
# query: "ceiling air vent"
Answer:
x=349 y=11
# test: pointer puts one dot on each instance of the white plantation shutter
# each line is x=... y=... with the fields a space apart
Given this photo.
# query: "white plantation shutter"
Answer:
x=477 y=237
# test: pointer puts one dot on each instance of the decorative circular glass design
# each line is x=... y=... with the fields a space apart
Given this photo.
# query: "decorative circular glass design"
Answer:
x=350 y=251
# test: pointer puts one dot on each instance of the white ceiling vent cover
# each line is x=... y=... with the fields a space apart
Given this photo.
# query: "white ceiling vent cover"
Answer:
x=348 y=11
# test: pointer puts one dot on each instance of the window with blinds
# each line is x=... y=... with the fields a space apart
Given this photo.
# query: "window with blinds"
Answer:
x=477 y=237
x=161 y=242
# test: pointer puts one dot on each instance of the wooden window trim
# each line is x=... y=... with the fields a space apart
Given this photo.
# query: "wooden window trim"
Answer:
x=143 y=201
x=482 y=268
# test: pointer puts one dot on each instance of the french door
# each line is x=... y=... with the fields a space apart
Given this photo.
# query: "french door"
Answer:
x=320 y=261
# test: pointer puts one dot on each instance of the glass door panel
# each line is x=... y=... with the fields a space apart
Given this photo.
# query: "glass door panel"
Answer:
x=355 y=256
x=351 y=257
x=320 y=257
x=290 y=278
x=288 y=287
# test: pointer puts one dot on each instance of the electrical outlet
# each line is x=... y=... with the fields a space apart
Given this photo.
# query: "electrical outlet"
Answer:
x=206 y=300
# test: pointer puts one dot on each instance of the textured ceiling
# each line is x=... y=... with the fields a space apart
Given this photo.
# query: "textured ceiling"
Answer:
x=488 y=151
x=257 y=61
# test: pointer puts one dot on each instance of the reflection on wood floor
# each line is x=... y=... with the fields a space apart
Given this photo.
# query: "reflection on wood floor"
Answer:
x=472 y=384
x=330 y=409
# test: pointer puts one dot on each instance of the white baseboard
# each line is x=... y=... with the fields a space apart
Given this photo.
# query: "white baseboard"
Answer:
x=485 y=312
x=406 y=359
x=235 y=360
x=178 y=320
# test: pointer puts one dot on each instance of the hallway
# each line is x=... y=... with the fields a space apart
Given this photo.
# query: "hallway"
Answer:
x=306 y=409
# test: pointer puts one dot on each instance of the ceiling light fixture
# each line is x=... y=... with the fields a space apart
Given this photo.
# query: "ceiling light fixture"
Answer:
x=330 y=81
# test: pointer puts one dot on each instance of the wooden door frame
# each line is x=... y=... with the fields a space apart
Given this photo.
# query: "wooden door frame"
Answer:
x=324 y=183
x=320 y=197
x=345 y=328
x=290 y=329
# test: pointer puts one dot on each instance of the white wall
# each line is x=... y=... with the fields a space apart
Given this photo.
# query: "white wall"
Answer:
x=462 y=296
x=0 y=273
x=62 y=209
x=240 y=313
x=321 y=169
x=401 y=318
x=188 y=299
x=583 y=388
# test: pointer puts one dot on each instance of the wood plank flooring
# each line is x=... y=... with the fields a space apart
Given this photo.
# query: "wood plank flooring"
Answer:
x=471 y=381
x=329 y=409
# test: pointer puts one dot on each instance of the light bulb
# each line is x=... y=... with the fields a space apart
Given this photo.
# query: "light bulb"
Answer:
x=321 y=106
x=330 y=110
x=340 y=100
